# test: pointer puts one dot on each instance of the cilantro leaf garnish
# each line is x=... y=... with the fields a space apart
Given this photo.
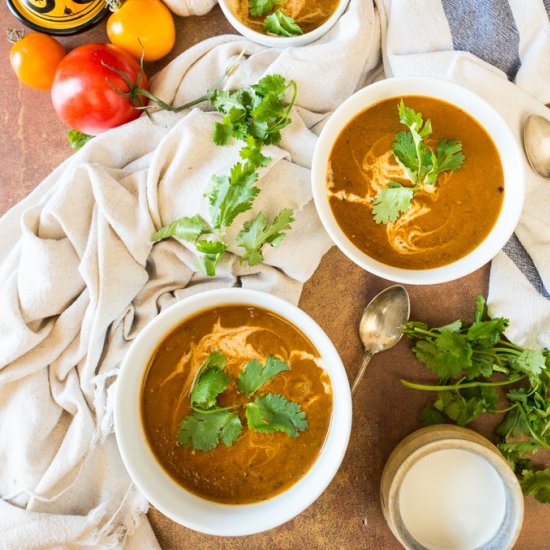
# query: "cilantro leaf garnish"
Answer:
x=404 y=150
x=211 y=380
x=205 y=429
x=449 y=156
x=258 y=8
x=531 y=362
x=254 y=375
x=421 y=164
x=271 y=84
x=252 y=152
x=186 y=229
x=223 y=133
x=486 y=334
x=537 y=484
x=392 y=201
x=231 y=195
x=279 y=23
x=273 y=413
x=258 y=232
x=78 y=139
x=448 y=354
x=476 y=366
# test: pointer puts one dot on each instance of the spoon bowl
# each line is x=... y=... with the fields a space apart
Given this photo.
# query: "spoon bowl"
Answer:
x=536 y=141
x=380 y=326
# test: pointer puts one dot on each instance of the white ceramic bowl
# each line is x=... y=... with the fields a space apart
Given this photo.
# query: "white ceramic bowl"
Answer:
x=161 y=490
x=281 y=41
x=486 y=116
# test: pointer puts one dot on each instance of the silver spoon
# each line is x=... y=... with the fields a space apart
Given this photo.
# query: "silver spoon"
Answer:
x=380 y=326
x=536 y=141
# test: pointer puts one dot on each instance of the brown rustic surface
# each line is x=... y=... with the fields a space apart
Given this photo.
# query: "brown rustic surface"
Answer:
x=348 y=514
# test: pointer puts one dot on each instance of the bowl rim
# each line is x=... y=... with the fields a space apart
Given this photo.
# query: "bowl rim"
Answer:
x=282 y=41
x=155 y=483
x=488 y=118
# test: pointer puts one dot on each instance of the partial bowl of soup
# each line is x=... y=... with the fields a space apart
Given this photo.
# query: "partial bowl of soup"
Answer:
x=283 y=23
x=232 y=412
x=418 y=180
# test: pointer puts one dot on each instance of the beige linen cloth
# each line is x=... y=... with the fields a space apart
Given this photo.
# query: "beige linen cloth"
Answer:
x=79 y=277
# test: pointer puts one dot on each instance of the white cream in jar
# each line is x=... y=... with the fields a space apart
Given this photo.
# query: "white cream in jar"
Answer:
x=452 y=500
x=448 y=488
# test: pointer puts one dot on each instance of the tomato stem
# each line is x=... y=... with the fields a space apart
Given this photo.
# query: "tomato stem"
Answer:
x=114 y=5
x=135 y=92
x=14 y=35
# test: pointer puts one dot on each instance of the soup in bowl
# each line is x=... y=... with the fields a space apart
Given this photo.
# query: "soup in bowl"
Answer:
x=233 y=412
x=284 y=23
x=418 y=180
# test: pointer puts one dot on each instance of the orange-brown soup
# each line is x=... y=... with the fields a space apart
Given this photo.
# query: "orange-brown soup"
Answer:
x=309 y=14
x=258 y=465
x=443 y=226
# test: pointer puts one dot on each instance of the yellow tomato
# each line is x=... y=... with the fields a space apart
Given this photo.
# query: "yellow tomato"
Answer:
x=34 y=58
x=146 y=24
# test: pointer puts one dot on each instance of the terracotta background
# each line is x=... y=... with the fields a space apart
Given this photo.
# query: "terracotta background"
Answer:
x=348 y=514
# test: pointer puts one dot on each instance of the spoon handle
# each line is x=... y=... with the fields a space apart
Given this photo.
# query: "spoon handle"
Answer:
x=367 y=356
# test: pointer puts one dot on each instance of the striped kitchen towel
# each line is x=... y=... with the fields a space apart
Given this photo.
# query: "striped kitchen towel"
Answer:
x=500 y=49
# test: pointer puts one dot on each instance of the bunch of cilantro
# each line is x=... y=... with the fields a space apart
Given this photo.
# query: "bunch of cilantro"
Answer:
x=477 y=366
x=421 y=165
x=277 y=22
x=255 y=115
x=209 y=423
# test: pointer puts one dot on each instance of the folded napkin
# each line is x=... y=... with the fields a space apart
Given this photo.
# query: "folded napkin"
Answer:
x=79 y=277
x=500 y=50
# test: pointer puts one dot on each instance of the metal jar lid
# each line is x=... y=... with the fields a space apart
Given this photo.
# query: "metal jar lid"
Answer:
x=59 y=17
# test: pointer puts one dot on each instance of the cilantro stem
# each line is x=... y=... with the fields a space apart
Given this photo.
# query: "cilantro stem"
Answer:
x=501 y=369
x=499 y=411
x=428 y=387
x=283 y=120
x=530 y=428
x=216 y=409
x=166 y=107
x=292 y=84
x=510 y=345
x=417 y=330
x=510 y=351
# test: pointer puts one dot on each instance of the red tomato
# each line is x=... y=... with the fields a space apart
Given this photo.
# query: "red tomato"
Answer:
x=81 y=94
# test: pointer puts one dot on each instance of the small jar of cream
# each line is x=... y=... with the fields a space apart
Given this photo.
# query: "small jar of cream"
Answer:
x=448 y=488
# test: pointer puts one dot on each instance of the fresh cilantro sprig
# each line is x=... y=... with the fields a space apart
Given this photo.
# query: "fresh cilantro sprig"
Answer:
x=421 y=164
x=259 y=111
x=475 y=365
x=256 y=115
x=281 y=24
x=209 y=423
